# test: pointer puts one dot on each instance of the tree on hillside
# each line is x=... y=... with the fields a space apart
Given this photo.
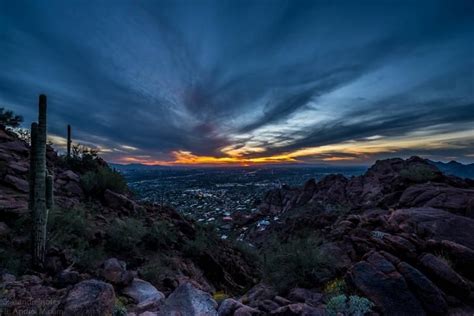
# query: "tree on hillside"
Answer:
x=10 y=119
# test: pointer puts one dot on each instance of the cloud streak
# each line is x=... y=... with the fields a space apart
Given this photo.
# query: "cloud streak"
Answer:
x=245 y=82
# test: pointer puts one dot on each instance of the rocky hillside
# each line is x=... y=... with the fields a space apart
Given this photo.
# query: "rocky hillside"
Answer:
x=101 y=243
x=397 y=240
x=401 y=235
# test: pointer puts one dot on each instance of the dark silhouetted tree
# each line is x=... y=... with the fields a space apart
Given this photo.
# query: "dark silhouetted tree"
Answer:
x=10 y=119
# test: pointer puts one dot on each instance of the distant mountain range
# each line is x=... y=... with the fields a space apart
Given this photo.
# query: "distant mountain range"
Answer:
x=452 y=168
x=142 y=167
x=455 y=168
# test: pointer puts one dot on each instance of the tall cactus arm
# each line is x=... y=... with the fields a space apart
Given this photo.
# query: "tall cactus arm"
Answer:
x=34 y=131
x=49 y=191
x=69 y=141
x=39 y=204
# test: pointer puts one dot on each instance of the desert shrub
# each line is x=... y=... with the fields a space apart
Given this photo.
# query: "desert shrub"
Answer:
x=124 y=235
x=418 y=173
x=95 y=183
x=359 y=306
x=200 y=244
x=155 y=270
x=445 y=258
x=13 y=261
x=220 y=296
x=205 y=240
x=297 y=262
x=68 y=228
x=352 y=306
x=161 y=235
x=91 y=257
x=119 y=308
x=83 y=159
x=337 y=304
x=9 y=118
x=377 y=234
x=335 y=287
x=151 y=273
x=249 y=253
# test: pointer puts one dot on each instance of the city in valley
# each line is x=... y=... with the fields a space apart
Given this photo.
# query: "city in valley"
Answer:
x=215 y=195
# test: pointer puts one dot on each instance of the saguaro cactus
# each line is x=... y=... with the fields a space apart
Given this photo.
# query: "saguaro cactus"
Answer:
x=69 y=141
x=41 y=184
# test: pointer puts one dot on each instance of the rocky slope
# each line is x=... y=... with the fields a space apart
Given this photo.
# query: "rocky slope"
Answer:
x=87 y=229
x=401 y=236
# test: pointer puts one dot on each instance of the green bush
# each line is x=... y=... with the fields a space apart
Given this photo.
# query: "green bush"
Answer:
x=200 y=244
x=162 y=235
x=10 y=119
x=297 y=262
x=119 y=308
x=95 y=183
x=69 y=229
x=91 y=257
x=418 y=173
x=205 y=240
x=83 y=159
x=13 y=261
x=249 y=253
x=155 y=270
x=124 y=235
x=335 y=287
x=352 y=306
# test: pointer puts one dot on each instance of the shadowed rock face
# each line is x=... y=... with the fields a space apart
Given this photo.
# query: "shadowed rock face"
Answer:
x=388 y=183
x=382 y=284
x=435 y=223
x=90 y=297
x=405 y=236
x=429 y=295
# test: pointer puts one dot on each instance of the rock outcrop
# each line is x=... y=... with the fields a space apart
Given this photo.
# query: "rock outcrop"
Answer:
x=186 y=300
x=91 y=297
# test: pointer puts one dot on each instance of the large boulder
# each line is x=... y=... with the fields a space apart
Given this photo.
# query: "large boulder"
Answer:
x=17 y=183
x=305 y=296
x=141 y=291
x=186 y=300
x=378 y=280
x=440 y=271
x=429 y=294
x=298 y=309
x=228 y=307
x=118 y=202
x=67 y=277
x=258 y=293
x=461 y=256
x=434 y=223
x=90 y=297
x=247 y=311
x=115 y=271
x=442 y=196
x=69 y=175
x=16 y=146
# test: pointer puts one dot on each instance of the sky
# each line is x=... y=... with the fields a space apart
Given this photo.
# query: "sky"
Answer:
x=245 y=82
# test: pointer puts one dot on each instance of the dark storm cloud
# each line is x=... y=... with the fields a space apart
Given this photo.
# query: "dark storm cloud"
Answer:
x=198 y=76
